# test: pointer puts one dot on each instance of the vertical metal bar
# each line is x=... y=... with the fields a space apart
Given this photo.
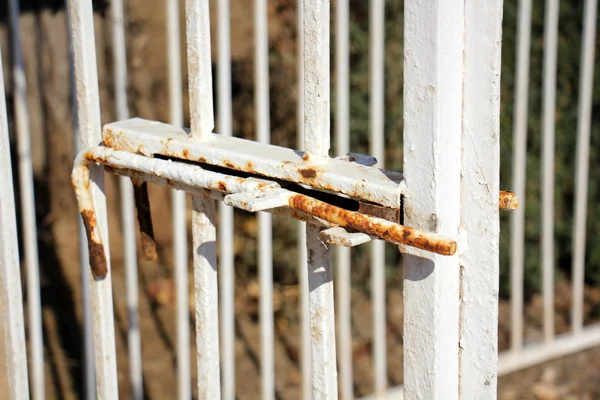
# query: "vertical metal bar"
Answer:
x=376 y=103
x=517 y=220
x=305 y=341
x=28 y=207
x=127 y=208
x=480 y=219
x=316 y=143
x=265 y=240
x=342 y=146
x=89 y=375
x=548 y=128
x=433 y=71
x=11 y=302
x=179 y=205
x=584 y=120
x=316 y=77
x=203 y=209
x=197 y=23
x=207 y=297
x=86 y=77
x=226 y=236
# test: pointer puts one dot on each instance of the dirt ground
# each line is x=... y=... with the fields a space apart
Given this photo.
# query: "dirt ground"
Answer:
x=45 y=52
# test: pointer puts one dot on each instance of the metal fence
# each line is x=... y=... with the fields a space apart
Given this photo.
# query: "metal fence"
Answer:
x=446 y=198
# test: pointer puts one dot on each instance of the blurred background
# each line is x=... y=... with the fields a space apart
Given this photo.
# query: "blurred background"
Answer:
x=46 y=59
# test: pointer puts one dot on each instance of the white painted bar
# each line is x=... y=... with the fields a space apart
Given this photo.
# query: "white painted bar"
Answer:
x=376 y=122
x=584 y=120
x=203 y=216
x=28 y=207
x=548 y=150
x=519 y=167
x=134 y=345
x=197 y=23
x=316 y=77
x=150 y=138
x=89 y=375
x=433 y=54
x=11 y=301
x=86 y=77
x=226 y=236
x=265 y=239
x=316 y=143
x=322 y=318
x=342 y=146
x=178 y=207
x=207 y=297
x=305 y=341
x=539 y=353
x=480 y=218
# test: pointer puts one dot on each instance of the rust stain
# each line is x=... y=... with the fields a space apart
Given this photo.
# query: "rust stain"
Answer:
x=222 y=186
x=108 y=139
x=186 y=154
x=249 y=166
x=363 y=223
x=308 y=173
x=508 y=200
x=202 y=160
x=229 y=164
x=140 y=191
x=98 y=263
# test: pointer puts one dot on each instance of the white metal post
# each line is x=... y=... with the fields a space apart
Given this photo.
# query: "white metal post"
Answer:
x=86 y=77
x=207 y=297
x=433 y=71
x=203 y=220
x=480 y=219
x=226 y=236
x=316 y=144
x=28 y=207
x=179 y=205
x=265 y=240
x=548 y=128
x=89 y=375
x=519 y=166
x=342 y=147
x=127 y=207
x=197 y=28
x=11 y=301
x=584 y=120
x=305 y=341
x=377 y=111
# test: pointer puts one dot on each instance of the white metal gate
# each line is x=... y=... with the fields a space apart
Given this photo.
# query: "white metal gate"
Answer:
x=441 y=212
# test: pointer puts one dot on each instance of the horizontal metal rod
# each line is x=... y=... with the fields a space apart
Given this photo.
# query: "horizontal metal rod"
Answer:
x=382 y=228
